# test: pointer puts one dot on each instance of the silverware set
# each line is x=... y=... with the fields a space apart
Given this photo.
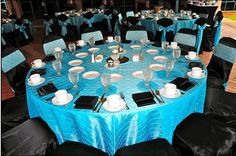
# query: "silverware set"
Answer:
x=99 y=104
x=155 y=95
x=123 y=97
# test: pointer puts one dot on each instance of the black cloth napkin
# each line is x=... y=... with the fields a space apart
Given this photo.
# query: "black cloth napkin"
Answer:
x=149 y=18
x=41 y=71
x=126 y=41
x=86 y=102
x=143 y=99
x=47 y=89
x=183 y=83
x=195 y=64
x=49 y=58
x=158 y=44
x=99 y=42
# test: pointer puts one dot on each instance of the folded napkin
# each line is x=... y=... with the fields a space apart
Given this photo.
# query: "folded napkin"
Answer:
x=143 y=99
x=195 y=64
x=47 y=89
x=183 y=83
x=41 y=71
x=126 y=41
x=86 y=102
x=99 y=42
x=49 y=58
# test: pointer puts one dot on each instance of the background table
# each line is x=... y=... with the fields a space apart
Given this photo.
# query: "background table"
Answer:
x=111 y=131
x=8 y=27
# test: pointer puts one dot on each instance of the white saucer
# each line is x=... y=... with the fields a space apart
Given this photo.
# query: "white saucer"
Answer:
x=81 y=45
x=81 y=55
x=160 y=58
x=75 y=62
x=69 y=99
x=78 y=69
x=35 y=84
x=152 y=51
x=156 y=67
x=196 y=58
x=93 y=50
x=200 y=77
x=162 y=93
x=135 y=46
x=114 y=67
x=113 y=47
x=138 y=74
x=43 y=64
x=115 y=77
x=91 y=75
x=117 y=109
x=110 y=41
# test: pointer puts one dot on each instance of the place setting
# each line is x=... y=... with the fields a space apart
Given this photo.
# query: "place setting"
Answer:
x=62 y=98
x=170 y=91
x=192 y=56
x=91 y=75
x=114 y=103
x=75 y=62
x=35 y=79
x=38 y=63
x=197 y=73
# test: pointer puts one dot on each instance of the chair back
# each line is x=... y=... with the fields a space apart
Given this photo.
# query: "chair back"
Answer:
x=165 y=26
x=217 y=27
x=51 y=42
x=186 y=37
x=129 y=13
x=133 y=21
x=136 y=33
x=91 y=32
x=204 y=13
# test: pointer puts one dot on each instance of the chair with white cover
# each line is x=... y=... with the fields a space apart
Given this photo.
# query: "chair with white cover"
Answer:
x=136 y=33
x=129 y=13
x=92 y=32
x=51 y=42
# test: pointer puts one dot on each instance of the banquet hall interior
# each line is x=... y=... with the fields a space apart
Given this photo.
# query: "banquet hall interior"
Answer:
x=118 y=77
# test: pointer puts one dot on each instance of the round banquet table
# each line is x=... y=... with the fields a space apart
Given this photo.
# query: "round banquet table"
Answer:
x=111 y=131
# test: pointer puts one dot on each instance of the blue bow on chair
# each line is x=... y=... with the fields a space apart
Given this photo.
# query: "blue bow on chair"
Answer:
x=22 y=29
x=47 y=26
x=199 y=35
x=89 y=21
x=117 y=29
x=108 y=17
x=63 y=26
x=217 y=35
x=164 y=30
x=26 y=21
x=2 y=39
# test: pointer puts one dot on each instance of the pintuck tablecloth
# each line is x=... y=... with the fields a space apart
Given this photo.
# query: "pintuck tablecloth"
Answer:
x=111 y=131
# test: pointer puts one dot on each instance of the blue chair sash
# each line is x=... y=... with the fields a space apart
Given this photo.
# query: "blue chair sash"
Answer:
x=64 y=26
x=226 y=53
x=12 y=60
x=164 y=30
x=47 y=26
x=199 y=35
x=2 y=39
x=22 y=29
x=26 y=21
x=117 y=29
x=120 y=18
x=108 y=18
x=218 y=31
x=89 y=21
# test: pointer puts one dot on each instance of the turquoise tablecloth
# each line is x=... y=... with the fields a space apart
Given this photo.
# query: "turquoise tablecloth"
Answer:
x=111 y=131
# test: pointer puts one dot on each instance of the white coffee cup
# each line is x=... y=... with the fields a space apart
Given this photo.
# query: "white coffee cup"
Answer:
x=170 y=89
x=197 y=72
x=37 y=63
x=81 y=43
x=173 y=45
x=192 y=55
x=34 y=78
x=110 y=39
x=142 y=16
x=113 y=101
x=57 y=49
x=61 y=96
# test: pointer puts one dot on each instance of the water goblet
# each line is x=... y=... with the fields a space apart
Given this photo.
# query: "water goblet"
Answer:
x=73 y=77
x=164 y=46
x=115 y=57
x=91 y=41
x=176 y=53
x=118 y=39
x=58 y=55
x=57 y=66
x=72 y=48
x=147 y=76
x=169 y=65
x=106 y=80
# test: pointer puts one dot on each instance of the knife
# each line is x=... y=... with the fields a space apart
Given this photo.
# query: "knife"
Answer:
x=102 y=101
x=97 y=104
x=151 y=91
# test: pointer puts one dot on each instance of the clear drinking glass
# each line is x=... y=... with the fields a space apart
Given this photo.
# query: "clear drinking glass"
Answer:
x=147 y=75
x=72 y=47
x=176 y=53
x=73 y=78
x=91 y=41
x=164 y=46
x=58 y=55
x=117 y=39
x=57 y=66
x=169 y=65
x=106 y=80
x=115 y=57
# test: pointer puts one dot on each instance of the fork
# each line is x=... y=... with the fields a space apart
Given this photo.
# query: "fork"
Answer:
x=123 y=97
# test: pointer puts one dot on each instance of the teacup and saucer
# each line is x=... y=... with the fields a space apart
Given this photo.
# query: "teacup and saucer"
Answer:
x=38 y=63
x=197 y=73
x=62 y=98
x=114 y=103
x=170 y=91
x=35 y=79
x=192 y=56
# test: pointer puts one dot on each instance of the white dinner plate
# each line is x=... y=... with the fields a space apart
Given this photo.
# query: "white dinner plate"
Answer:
x=81 y=55
x=160 y=58
x=93 y=49
x=138 y=74
x=91 y=75
x=135 y=46
x=35 y=84
x=196 y=58
x=156 y=67
x=117 y=109
x=200 y=77
x=115 y=77
x=58 y=103
x=177 y=94
x=43 y=64
x=75 y=62
x=113 y=47
x=78 y=69
x=114 y=67
x=152 y=51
